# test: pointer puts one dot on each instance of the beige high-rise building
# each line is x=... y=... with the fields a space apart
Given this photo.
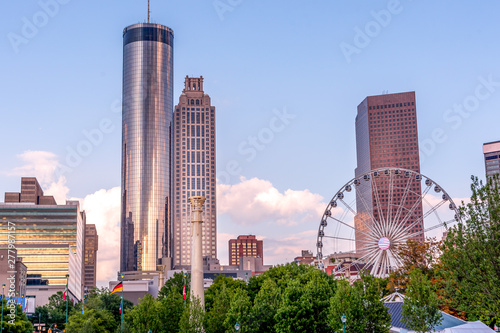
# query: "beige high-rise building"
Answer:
x=194 y=170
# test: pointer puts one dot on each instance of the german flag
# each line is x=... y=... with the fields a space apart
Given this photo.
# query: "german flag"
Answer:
x=119 y=287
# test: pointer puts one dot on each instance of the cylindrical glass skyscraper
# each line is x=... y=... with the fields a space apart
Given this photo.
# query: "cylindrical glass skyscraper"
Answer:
x=146 y=157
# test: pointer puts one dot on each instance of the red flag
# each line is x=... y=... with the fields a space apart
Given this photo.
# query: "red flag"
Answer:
x=184 y=292
x=64 y=293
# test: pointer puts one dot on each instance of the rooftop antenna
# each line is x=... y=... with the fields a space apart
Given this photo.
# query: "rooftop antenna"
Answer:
x=148 y=11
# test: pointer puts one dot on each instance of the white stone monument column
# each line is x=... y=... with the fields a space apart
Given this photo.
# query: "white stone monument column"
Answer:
x=196 y=251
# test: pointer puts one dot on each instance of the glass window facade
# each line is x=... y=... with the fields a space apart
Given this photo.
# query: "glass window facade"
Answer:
x=50 y=239
x=386 y=136
x=146 y=140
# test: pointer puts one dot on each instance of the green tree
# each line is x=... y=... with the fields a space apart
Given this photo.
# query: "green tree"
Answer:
x=92 y=321
x=221 y=282
x=414 y=255
x=376 y=317
x=144 y=316
x=158 y=315
x=176 y=282
x=192 y=318
x=471 y=255
x=170 y=309
x=265 y=306
x=16 y=321
x=346 y=301
x=100 y=305
x=217 y=311
x=294 y=313
x=239 y=312
x=54 y=312
x=420 y=307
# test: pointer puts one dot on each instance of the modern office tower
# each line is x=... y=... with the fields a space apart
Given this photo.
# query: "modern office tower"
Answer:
x=491 y=151
x=146 y=157
x=386 y=136
x=90 y=256
x=244 y=246
x=194 y=170
x=49 y=237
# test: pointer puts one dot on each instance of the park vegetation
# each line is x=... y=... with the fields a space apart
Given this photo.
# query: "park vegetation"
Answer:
x=459 y=275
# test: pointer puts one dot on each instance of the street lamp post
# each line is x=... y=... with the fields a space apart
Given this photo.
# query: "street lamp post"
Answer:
x=237 y=327
x=67 y=299
x=344 y=319
x=3 y=288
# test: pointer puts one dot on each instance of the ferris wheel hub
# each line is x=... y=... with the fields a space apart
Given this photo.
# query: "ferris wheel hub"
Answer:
x=384 y=243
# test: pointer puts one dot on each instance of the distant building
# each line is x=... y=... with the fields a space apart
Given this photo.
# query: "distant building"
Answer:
x=134 y=289
x=11 y=264
x=253 y=264
x=90 y=256
x=49 y=238
x=244 y=246
x=193 y=155
x=306 y=258
x=386 y=136
x=491 y=151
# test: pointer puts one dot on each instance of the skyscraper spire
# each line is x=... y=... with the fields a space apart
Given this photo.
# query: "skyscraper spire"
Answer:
x=148 y=11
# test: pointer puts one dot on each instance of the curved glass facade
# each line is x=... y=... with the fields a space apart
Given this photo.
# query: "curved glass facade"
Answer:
x=146 y=134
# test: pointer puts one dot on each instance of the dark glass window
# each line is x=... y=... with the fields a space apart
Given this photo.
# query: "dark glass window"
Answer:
x=147 y=34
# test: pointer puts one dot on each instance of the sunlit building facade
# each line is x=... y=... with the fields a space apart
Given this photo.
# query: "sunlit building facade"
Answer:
x=146 y=157
x=49 y=237
x=90 y=257
x=245 y=246
x=387 y=136
x=194 y=170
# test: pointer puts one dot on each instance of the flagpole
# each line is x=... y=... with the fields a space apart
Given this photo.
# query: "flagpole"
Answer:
x=67 y=299
x=121 y=308
x=3 y=288
x=184 y=292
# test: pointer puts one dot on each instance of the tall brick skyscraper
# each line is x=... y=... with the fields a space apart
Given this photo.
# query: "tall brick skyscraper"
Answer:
x=386 y=136
x=194 y=170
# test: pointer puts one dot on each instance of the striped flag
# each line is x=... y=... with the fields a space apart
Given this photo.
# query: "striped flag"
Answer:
x=119 y=287
x=25 y=305
x=121 y=306
x=384 y=243
x=184 y=292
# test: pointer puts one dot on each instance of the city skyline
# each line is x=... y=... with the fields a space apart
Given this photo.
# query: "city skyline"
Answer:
x=289 y=133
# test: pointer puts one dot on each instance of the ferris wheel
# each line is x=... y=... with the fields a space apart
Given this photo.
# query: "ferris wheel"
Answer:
x=374 y=214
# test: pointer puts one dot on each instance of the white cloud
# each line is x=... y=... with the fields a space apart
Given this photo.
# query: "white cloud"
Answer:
x=223 y=247
x=255 y=201
x=103 y=209
x=45 y=167
x=285 y=249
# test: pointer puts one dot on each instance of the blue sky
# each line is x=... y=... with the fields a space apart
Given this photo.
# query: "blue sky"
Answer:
x=259 y=59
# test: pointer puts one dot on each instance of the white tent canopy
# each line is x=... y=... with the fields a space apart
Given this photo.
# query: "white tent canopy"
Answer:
x=470 y=327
